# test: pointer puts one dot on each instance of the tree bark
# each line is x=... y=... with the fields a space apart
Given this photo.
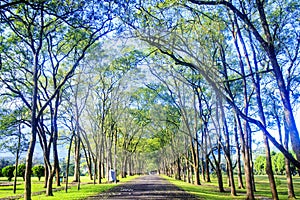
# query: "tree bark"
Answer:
x=49 y=191
x=77 y=158
x=178 y=169
x=115 y=154
x=34 y=124
x=195 y=162
x=68 y=161
x=238 y=155
x=227 y=153
x=245 y=155
x=55 y=138
x=207 y=168
x=289 y=177
x=17 y=159
x=88 y=159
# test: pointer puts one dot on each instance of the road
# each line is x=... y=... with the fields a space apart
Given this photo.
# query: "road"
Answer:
x=145 y=187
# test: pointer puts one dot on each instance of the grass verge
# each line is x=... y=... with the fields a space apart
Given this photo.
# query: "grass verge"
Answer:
x=209 y=191
x=86 y=189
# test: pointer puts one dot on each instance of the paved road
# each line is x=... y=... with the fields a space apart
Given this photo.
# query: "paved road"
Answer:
x=145 y=187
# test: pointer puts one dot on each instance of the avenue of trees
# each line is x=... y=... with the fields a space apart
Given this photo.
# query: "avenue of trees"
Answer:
x=186 y=88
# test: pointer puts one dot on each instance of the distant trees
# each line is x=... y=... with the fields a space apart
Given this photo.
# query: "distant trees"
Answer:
x=39 y=171
x=278 y=162
x=21 y=170
x=8 y=172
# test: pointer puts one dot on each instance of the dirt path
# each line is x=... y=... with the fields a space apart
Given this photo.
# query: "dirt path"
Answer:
x=145 y=187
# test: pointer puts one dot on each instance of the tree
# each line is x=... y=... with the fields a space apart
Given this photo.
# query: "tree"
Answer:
x=278 y=163
x=8 y=172
x=79 y=27
x=21 y=170
x=183 y=47
x=260 y=165
x=12 y=139
x=268 y=38
x=39 y=171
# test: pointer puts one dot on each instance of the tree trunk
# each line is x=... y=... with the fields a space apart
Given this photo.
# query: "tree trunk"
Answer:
x=217 y=167
x=247 y=168
x=227 y=151
x=99 y=170
x=269 y=170
x=56 y=161
x=17 y=159
x=95 y=170
x=34 y=124
x=68 y=161
x=188 y=171
x=207 y=169
x=129 y=165
x=184 y=170
x=46 y=174
x=195 y=162
x=78 y=183
x=115 y=154
x=178 y=169
x=289 y=177
x=251 y=159
x=220 y=178
x=77 y=159
x=202 y=158
x=49 y=191
x=55 y=138
x=238 y=156
x=124 y=166
x=88 y=159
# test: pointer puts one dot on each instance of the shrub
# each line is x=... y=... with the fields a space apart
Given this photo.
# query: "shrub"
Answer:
x=260 y=165
x=39 y=171
x=21 y=170
x=278 y=163
x=8 y=172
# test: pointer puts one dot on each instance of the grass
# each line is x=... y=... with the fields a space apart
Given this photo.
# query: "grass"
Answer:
x=209 y=191
x=86 y=189
x=6 y=191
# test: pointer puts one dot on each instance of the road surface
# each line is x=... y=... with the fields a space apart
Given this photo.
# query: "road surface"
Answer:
x=145 y=187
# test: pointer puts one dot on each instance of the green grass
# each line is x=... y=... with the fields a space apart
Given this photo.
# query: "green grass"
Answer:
x=263 y=187
x=6 y=191
x=37 y=186
x=209 y=191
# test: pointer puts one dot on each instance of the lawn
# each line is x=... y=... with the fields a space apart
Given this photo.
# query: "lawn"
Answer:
x=209 y=191
x=86 y=189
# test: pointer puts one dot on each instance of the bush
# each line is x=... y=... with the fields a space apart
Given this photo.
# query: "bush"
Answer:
x=260 y=165
x=21 y=170
x=8 y=172
x=39 y=171
x=278 y=163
